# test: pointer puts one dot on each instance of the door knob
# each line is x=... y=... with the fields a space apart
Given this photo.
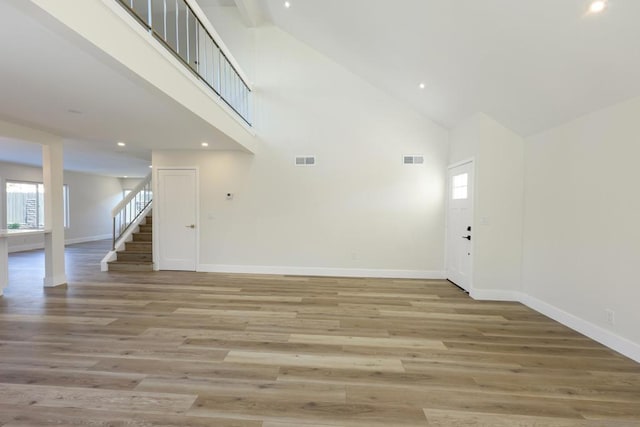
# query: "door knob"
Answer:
x=191 y=226
x=466 y=237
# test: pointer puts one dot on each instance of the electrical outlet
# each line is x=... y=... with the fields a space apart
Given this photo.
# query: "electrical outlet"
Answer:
x=611 y=316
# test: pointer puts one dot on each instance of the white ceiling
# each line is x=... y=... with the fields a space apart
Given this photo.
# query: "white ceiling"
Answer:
x=58 y=84
x=80 y=156
x=529 y=64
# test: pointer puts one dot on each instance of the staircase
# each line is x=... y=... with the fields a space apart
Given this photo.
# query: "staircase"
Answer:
x=137 y=254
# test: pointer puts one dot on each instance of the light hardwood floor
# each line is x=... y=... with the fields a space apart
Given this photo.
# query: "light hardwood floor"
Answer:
x=197 y=349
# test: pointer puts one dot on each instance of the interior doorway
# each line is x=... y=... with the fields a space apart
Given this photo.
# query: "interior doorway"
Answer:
x=177 y=219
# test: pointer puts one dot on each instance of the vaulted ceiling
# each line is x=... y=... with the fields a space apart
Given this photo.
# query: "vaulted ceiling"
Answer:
x=529 y=64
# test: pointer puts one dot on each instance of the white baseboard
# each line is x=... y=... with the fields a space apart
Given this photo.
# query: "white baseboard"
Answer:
x=495 y=295
x=40 y=245
x=610 y=339
x=87 y=239
x=26 y=247
x=50 y=282
x=321 y=271
x=593 y=331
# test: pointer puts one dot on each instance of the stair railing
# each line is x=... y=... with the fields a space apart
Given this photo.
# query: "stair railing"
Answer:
x=130 y=208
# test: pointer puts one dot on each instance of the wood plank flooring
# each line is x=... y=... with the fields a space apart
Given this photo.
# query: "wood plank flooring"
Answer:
x=197 y=349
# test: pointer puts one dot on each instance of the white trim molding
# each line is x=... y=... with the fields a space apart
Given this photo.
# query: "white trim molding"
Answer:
x=26 y=247
x=40 y=245
x=462 y=162
x=50 y=282
x=603 y=336
x=495 y=295
x=87 y=239
x=616 y=342
x=110 y=256
x=321 y=271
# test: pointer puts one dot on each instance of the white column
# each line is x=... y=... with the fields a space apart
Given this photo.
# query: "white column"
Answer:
x=4 y=262
x=52 y=174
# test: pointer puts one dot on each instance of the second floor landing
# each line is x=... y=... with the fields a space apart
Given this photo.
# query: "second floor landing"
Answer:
x=88 y=70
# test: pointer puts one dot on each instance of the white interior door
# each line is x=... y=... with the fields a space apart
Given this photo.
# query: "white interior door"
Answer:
x=459 y=222
x=177 y=219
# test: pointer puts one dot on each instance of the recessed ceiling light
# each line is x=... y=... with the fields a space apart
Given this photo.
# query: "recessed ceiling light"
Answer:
x=421 y=86
x=287 y=4
x=121 y=144
x=597 y=6
x=125 y=176
x=205 y=144
x=150 y=166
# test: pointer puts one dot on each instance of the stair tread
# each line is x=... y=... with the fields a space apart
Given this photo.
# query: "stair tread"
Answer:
x=137 y=254
x=119 y=261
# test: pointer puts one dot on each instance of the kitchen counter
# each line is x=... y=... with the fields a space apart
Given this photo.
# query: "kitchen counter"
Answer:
x=5 y=235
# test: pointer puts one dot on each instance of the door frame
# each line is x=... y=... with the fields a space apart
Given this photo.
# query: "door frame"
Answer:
x=472 y=162
x=157 y=219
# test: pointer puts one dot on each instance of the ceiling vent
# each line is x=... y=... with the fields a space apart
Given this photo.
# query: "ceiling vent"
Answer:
x=413 y=159
x=305 y=160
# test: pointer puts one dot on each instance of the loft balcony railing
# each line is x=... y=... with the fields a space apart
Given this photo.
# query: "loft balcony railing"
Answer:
x=179 y=29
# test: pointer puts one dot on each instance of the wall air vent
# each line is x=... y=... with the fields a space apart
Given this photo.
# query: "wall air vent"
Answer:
x=305 y=160
x=413 y=159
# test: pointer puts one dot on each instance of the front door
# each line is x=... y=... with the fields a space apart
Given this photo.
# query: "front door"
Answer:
x=459 y=225
x=177 y=225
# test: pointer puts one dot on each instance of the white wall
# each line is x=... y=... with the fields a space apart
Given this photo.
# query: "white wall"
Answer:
x=91 y=198
x=129 y=183
x=498 y=155
x=359 y=211
x=581 y=237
